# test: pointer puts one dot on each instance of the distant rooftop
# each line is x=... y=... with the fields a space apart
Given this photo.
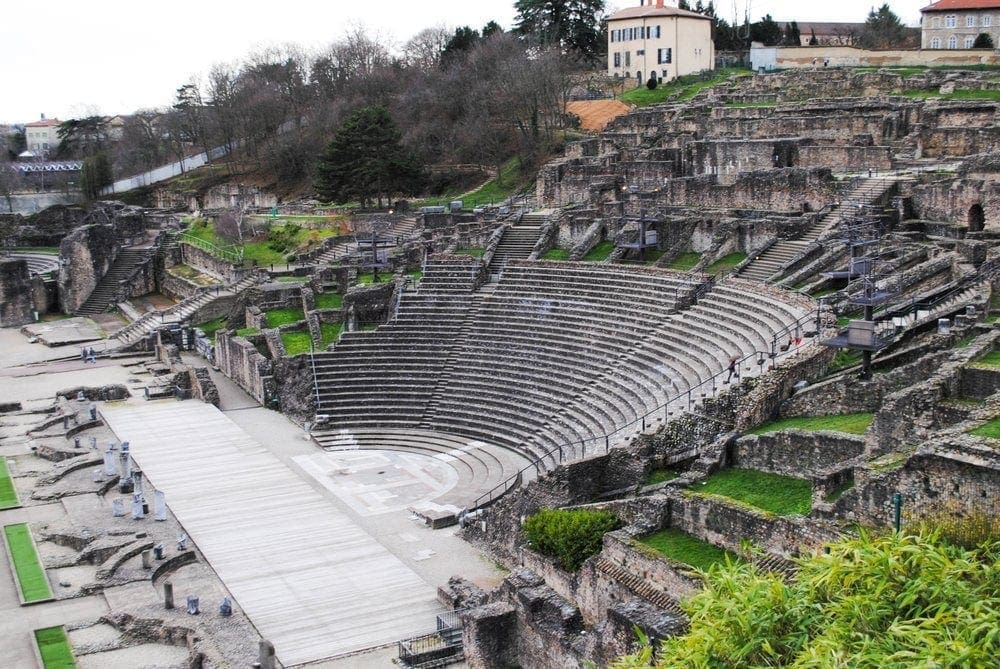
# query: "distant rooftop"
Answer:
x=654 y=8
x=946 y=5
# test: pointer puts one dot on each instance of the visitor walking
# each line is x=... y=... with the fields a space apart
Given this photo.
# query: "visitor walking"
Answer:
x=732 y=369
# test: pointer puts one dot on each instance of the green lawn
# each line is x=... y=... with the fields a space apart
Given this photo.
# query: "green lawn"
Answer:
x=273 y=247
x=212 y=326
x=292 y=279
x=726 y=262
x=852 y=423
x=54 y=648
x=781 y=495
x=49 y=250
x=296 y=342
x=367 y=280
x=244 y=332
x=8 y=495
x=687 y=86
x=279 y=317
x=661 y=475
x=600 y=252
x=991 y=358
x=685 y=261
x=844 y=358
x=682 y=547
x=475 y=252
x=416 y=275
x=329 y=301
x=990 y=429
x=556 y=254
x=330 y=332
x=30 y=574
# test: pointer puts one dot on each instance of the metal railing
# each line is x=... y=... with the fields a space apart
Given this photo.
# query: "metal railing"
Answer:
x=232 y=253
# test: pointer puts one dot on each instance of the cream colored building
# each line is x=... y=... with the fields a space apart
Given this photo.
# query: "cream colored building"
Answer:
x=659 y=39
x=955 y=24
x=42 y=136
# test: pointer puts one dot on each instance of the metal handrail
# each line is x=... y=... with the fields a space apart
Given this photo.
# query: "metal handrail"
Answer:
x=231 y=253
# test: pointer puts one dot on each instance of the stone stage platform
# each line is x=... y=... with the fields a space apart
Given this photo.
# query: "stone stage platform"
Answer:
x=311 y=580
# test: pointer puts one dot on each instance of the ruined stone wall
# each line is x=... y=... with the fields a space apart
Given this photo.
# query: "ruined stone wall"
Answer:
x=16 y=293
x=952 y=200
x=88 y=252
x=240 y=360
x=848 y=56
x=795 y=452
x=203 y=261
x=941 y=142
x=778 y=190
x=843 y=157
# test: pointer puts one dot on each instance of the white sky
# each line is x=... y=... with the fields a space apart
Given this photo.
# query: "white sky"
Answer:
x=67 y=58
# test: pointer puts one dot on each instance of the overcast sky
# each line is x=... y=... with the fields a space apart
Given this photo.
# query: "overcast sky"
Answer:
x=68 y=58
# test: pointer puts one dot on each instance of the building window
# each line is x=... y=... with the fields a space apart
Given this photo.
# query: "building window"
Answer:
x=611 y=36
x=952 y=42
x=618 y=59
x=949 y=21
x=657 y=32
x=640 y=52
x=628 y=58
x=935 y=43
x=987 y=21
x=665 y=75
x=969 y=41
x=664 y=55
x=970 y=21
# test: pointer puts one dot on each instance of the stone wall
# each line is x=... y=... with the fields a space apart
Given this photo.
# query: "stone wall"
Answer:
x=952 y=200
x=203 y=261
x=803 y=57
x=937 y=142
x=844 y=157
x=239 y=359
x=16 y=294
x=795 y=452
x=88 y=252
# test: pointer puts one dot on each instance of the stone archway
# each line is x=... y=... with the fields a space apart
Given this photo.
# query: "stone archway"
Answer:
x=977 y=218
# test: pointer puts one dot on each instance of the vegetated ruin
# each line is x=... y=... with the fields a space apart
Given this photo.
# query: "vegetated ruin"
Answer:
x=793 y=245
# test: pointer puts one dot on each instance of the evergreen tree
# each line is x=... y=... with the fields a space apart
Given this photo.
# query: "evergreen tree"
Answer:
x=490 y=29
x=95 y=174
x=767 y=31
x=883 y=30
x=792 y=35
x=813 y=41
x=464 y=39
x=983 y=41
x=366 y=160
x=570 y=25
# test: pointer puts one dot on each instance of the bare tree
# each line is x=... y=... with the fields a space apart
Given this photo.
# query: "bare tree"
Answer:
x=423 y=50
x=10 y=181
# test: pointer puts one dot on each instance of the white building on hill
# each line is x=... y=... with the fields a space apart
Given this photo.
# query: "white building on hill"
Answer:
x=656 y=39
x=955 y=24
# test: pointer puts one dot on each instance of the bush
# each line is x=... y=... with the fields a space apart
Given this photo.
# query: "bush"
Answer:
x=571 y=536
x=652 y=83
x=983 y=41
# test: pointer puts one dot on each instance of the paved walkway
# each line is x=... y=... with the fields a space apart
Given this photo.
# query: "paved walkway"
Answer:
x=310 y=579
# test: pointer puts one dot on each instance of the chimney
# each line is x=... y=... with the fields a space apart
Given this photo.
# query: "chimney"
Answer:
x=43 y=117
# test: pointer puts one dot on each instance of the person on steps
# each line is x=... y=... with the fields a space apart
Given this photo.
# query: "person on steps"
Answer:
x=732 y=369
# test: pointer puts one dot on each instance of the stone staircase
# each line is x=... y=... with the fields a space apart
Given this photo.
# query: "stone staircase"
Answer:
x=400 y=229
x=518 y=241
x=104 y=294
x=640 y=587
x=773 y=260
x=178 y=313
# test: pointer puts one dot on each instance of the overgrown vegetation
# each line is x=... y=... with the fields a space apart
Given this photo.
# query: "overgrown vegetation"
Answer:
x=54 y=648
x=684 y=88
x=726 y=263
x=511 y=179
x=992 y=358
x=211 y=327
x=685 y=261
x=990 y=430
x=475 y=252
x=30 y=575
x=600 y=252
x=278 y=317
x=569 y=535
x=774 y=493
x=682 y=547
x=296 y=342
x=8 y=494
x=853 y=423
x=329 y=301
x=844 y=358
x=875 y=601
x=556 y=254
x=661 y=476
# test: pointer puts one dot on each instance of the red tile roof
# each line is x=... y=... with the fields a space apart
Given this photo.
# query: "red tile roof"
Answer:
x=946 y=5
x=650 y=11
x=44 y=123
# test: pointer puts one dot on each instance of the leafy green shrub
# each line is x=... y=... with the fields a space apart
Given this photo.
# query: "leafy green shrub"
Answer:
x=652 y=83
x=898 y=600
x=569 y=535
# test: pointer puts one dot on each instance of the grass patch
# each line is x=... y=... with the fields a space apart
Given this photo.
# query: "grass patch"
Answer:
x=600 y=252
x=991 y=358
x=47 y=250
x=660 y=476
x=684 y=88
x=685 y=261
x=246 y=332
x=852 y=423
x=781 y=495
x=273 y=246
x=990 y=430
x=682 y=547
x=193 y=275
x=509 y=181
x=212 y=326
x=329 y=301
x=416 y=275
x=30 y=574
x=296 y=342
x=989 y=95
x=726 y=263
x=838 y=492
x=8 y=494
x=292 y=279
x=368 y=279
x=556 y=254
x=54 y=648
x=279 y=317
x=844 y=358
x=329 y=333
x=475 y=252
